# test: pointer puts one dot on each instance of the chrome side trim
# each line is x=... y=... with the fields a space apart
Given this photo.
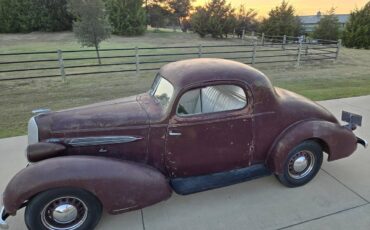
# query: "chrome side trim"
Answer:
x=3 y=223
x=362 y=142
x=125 y=209
x=92 y=141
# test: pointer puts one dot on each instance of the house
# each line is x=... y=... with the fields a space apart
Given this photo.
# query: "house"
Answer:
x=309 y=22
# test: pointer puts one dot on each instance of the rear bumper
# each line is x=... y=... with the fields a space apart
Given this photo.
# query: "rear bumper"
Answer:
x=362 y=142
x=3 y=216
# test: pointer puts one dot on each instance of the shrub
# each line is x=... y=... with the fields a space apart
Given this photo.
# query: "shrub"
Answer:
x=127 y=17
x=34 y=15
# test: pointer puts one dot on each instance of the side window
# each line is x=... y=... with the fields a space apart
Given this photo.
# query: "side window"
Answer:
x=212 y=99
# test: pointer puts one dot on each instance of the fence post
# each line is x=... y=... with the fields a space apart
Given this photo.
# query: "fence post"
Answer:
x=306 y=52
x=284 y=42
x=61 y=64
x=263 y=39
x=339 y=45
x=299 y=53
x=243 y=34
x=254 y=52
x=253 y=33
x=137 y=60
x=200 y=51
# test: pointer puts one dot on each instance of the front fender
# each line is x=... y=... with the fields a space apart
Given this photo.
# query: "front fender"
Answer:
x=338 y=141
x=119 y=185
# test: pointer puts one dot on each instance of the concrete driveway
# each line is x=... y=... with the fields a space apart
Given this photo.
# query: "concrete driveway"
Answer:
x=338 y=198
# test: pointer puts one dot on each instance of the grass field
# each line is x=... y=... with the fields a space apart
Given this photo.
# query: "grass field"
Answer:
x=347 y=77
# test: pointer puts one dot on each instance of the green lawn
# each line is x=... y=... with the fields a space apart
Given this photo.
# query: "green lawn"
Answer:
x=323 y=89
x=347 y=77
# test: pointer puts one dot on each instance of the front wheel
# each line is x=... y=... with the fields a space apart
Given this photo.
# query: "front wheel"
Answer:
x=63 y=209
x=302 y=164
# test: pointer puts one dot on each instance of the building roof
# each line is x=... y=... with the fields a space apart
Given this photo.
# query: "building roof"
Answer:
x=315 y=19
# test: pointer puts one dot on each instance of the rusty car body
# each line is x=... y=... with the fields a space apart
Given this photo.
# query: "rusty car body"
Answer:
x=205 y=123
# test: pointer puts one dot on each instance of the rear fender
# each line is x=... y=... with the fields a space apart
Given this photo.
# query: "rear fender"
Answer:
x=336 y=140
x=119 y=185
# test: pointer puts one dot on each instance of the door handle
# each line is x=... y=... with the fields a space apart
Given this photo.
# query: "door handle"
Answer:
x=172 y=133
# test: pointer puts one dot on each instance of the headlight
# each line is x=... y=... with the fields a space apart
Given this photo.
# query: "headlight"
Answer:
x=33 y=132
x=41 y=151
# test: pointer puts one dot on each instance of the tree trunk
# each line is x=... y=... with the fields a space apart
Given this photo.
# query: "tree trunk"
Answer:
x=97 y=53
x=180 y=24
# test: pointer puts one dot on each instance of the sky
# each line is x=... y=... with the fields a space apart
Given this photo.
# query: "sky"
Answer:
x=303 y=7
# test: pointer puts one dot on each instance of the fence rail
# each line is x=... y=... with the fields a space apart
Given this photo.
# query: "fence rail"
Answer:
x=256 y=49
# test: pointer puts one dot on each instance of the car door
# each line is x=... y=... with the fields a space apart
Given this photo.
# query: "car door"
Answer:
x=209 y=131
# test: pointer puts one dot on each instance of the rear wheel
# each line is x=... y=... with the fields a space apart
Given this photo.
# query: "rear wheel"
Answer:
x=63 y=209
x=302 y=164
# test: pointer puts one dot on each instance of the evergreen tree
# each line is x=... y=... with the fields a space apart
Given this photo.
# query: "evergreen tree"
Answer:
x=52 y=15
x=16 y=16
x=328 y=27
x=357 y=31
x=215 y=18
x=158 y=16
x=181 y=10
x=199 y=21
x=282 y=21
x=246 y=20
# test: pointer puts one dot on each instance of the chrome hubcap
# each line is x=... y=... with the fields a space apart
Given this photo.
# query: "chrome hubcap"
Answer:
x=301 y=164
x=64 y=213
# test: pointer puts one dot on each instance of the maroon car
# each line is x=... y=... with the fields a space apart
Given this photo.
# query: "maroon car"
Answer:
x=204 y=124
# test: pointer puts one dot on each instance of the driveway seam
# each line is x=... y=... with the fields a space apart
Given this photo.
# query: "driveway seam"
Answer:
x=324 y=216
x=347 y=187
x=142 y=218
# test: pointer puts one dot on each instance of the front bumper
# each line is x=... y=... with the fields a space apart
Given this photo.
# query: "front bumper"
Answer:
x=3 y=216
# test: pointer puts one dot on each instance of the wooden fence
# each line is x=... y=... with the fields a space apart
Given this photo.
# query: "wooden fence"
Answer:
x=255 y=49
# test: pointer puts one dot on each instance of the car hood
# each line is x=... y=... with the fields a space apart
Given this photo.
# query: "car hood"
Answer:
x=105 y=116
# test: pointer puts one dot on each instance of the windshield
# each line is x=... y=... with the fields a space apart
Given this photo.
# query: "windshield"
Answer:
x=162 y=90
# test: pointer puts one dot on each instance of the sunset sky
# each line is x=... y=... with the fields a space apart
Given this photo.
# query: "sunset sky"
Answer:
x=303 y=7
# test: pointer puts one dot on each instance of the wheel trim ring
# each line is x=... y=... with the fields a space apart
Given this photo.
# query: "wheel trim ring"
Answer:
x=309 y=157
x=68 y=226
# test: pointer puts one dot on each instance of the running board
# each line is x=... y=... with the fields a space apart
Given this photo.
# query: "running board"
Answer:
x=189 y=185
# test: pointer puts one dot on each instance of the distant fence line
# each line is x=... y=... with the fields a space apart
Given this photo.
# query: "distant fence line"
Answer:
x=261 y=49
x=285 y=39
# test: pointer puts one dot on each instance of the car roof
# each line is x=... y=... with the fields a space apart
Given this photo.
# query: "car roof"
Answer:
x=200 y=70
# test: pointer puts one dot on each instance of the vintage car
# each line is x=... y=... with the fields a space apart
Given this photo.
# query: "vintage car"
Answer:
x=204 y=124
